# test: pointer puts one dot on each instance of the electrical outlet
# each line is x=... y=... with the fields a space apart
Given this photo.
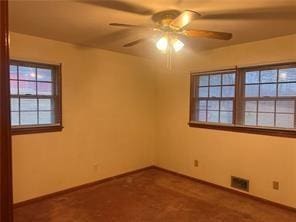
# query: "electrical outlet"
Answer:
x=95 y=167
x=276 y=185
x=195 y=163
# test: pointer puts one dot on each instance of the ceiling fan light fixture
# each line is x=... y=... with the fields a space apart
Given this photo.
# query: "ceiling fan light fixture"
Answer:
x=186 y=19
x=177 y=45
x=162 y=44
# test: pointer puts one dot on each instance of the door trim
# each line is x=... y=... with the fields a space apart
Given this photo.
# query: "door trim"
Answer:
x=6 y=210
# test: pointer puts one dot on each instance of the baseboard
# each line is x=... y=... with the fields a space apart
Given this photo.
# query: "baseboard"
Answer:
x=229 y=189
x=72 y=189
x=44 y=197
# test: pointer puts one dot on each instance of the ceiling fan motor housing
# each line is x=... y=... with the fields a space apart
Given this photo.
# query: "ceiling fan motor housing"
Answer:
x=164 y=18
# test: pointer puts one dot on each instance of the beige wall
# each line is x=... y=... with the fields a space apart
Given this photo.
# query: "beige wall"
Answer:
x=262 y=159
x=108 y=114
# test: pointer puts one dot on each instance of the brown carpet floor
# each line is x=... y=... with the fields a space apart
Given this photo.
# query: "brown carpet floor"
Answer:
x=152 y=195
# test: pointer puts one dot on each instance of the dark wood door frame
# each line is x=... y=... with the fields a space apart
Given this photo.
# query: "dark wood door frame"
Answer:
x=6 y=212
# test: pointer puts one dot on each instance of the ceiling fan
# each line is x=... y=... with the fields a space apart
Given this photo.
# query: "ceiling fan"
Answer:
x=173 y=23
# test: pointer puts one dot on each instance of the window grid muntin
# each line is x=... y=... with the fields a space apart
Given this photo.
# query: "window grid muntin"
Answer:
x=53 y=98
x=239 y=102
x=265 y=98
x=214 y=98
x=275 y=112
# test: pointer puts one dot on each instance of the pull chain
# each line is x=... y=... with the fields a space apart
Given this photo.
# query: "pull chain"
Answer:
x=169 y=58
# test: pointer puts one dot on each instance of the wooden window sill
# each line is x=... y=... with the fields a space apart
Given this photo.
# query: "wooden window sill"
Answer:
x=36 y=129
x=246 y=129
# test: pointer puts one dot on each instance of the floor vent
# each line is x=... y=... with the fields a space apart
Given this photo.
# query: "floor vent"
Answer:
x=240 y=183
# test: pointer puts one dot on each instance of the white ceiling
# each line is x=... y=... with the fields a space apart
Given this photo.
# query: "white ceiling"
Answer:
x=86 y=23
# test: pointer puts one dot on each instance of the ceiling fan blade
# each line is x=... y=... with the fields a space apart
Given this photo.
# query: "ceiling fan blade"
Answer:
x=275 y=13
x=130 y=44
x=109 y=38
x=121 y=6
x=128 y=25
x=207 y=34
x=184 y=19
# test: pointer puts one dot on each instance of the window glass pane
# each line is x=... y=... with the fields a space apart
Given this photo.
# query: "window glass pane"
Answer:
x=228 y=91
x=14 y=118
x=265 y=119
x=13 y=72
x=213 y=105
x=285 y=106
x=44 y=88
x=287 y=75
x=204 y=80
x=287 y=89
x=268 y=76
x=27 y=88
x=14 y=104
x=32 y=89
x=226 y=105
x=45 y=117
x=250 y=118
x=228 y=79
x=45 y=104
x=267 y=90
x=266 y=106
x=28 y=118
x=202 y=116
x=203 y=92
x=213 y=116
x=285 y=120
x=252 y=77
x=13 y=87
x=215 y=91
x=27 y=73
x=251 y=106
x=211 y=86
x=28 y=104
x=252 y=90
x=44 y=74
x=269 y=97
x=226 y=117
x=215 y=80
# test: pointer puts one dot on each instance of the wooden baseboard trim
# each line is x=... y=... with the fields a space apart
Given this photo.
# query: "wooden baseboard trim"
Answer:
x=265 y=201
x=72 y=189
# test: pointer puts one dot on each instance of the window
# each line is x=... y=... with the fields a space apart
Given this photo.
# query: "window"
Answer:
x=254 y=99
x=35 y=97
x=215 y=95
x=269 y=98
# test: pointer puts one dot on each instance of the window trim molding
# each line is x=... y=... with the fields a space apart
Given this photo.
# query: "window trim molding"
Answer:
x=280 y=132
x=45 y=128
x=36 y=129
x=246 y=129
